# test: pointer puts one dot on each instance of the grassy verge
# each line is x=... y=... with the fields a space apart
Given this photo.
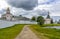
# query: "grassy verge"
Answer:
x=10 y=32
x=45 y=33
x=50 y=25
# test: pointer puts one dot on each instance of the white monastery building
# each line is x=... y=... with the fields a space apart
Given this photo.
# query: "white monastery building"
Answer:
x=10 y=17
x=48 y=19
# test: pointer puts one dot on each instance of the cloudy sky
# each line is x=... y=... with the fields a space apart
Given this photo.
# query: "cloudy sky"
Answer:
x=31 y=8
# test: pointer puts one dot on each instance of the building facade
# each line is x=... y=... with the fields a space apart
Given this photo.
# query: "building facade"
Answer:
x=8 y=15
x=47 y=19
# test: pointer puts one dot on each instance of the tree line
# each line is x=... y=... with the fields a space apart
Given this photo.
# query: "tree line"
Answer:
x=40 y=20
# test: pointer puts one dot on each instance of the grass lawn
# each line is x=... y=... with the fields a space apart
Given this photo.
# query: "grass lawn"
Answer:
x=50 y=25
x=10 y=32
x=45 y=33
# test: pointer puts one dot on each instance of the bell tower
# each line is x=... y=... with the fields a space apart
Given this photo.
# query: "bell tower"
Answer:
x=48 y=16
x=48 y=19
x=8 y=11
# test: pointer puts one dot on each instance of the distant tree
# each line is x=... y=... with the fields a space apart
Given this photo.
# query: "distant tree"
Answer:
x=33 y=18
x=52 y=21
x=59 y=21
x=40 y=20
x=20 y=15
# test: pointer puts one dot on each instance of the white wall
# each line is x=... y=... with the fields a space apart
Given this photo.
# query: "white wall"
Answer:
x=47 y=21
x=4 y=24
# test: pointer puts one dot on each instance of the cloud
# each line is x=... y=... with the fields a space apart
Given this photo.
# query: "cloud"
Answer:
x=42 y=2
x=2 y=11
x=25 y=4
x=53 y=6
x=55 y=9
x=29 y=14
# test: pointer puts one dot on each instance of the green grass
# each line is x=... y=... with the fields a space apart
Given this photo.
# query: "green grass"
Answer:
x=10 y=32
x=50 y=25
x=50 y=33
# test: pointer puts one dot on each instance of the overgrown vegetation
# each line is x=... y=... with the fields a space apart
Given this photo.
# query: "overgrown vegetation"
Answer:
x=50 y=33
x=10 y=32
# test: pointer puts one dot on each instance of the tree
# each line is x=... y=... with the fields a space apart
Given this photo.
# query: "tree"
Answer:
x=51 y=21
x=59 y=21
x=33 y=18
x=40 y=20
x=20 y=15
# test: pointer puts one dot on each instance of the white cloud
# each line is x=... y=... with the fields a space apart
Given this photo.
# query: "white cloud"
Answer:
x=53 y=7
x=46 y=7
x=3 y=4
x=42 y=1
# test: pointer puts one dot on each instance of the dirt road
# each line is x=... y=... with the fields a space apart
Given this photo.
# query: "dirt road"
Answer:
x=26 y=33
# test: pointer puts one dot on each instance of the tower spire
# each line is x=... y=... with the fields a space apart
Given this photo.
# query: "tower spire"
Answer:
x=48 y=16
x=8 y=11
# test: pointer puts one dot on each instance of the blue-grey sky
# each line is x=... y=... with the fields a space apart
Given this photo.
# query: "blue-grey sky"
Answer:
x=31 y=8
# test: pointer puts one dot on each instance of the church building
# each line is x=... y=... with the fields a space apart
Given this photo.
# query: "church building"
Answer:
x=8 y=15
x=47 y=19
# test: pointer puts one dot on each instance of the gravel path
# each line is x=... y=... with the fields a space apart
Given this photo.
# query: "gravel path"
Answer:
x=26 y=34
